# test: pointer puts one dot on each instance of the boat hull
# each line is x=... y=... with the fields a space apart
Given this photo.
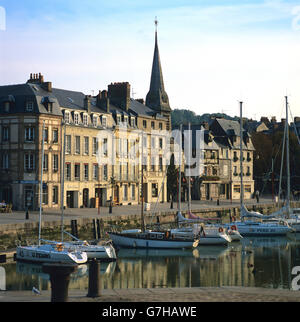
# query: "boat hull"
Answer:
x=250 y=230
x=43 y=254
x=136 y=242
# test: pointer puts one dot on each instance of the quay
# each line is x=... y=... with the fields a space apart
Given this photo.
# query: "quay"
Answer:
x=174 y=295
x=15 y=222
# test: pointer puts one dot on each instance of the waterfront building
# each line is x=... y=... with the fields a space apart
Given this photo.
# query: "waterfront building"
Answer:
x=79 y=124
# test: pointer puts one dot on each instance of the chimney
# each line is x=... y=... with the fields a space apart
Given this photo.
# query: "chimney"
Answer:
x=296 y=119
x=47 y=86
x=103 y=101
x=273 y=120
x=119 y=95
x=87 y=103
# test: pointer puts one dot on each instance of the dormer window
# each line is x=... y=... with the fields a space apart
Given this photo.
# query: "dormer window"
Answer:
x=133 y=122
x=48 y=103
x=118 y=119
x=104 y=121
x=125 y=120
x=85 y=120
x=29 y=106
x=76 y=119
x=67 y=117
x=95 y=120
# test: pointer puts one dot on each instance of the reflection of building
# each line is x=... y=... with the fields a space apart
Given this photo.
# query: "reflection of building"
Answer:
x=24 y=107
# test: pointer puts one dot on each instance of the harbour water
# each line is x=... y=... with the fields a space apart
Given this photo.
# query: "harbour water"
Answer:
x=253 y=262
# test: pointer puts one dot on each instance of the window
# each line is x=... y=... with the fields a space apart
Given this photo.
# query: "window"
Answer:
x=144 y=123
x=126 y=171
x=5 y=133
x=105 y=174
x=77 y=171
x=248 y=188
x=68 y=171
x=125 y=191
x=153 y=143
x=29 y=134
x=152 y=125
x=95 y=146
x=105 y=147
x=160 y=143
x=5 y=161
x=45 y=165
x=55 y=195
x=160 y=126
x=85 y=120
x=67 y=117
x=237 y=189
x=46 y=134
x=68 y=144
x=45 y=194
x=133 y=122
x=104 y=121
x=153 y=163
x=86 y=172
x=133 y=191
x=154 y=190
x=29 y=162
x=95 y=171
x=29 y=106
x=160 y=164
x=145 y=141
x=125 y=120
x=95 y=120
x=77 y=144
x=55 y=136
x=86 y=145
x=55 y=162
x=76 y=118
x=118 y=119
x=235 y=170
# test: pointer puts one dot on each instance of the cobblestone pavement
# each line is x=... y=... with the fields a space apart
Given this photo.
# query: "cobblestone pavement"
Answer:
x=194 y=294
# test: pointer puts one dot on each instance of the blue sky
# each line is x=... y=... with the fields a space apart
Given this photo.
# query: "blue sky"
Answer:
x=213 y=53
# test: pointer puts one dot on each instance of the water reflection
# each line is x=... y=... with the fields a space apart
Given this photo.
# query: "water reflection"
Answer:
x=255 y=262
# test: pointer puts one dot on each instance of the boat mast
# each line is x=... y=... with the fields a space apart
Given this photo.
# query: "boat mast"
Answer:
x=189 y=174
x=62 y=181
x=241 y=154
x=281 y=167
x=287 y=157
x=142 y=183
x=179 y=179
x=41 y=184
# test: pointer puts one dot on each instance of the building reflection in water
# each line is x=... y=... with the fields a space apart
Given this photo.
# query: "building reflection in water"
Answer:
x=256 y=262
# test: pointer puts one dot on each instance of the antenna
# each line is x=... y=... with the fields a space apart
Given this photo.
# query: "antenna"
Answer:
x=132 y=93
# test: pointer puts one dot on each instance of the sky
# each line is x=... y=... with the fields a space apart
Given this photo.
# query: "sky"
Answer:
x=214 y=53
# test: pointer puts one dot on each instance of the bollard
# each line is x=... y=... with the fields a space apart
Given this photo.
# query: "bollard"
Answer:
x=59 y=278
x=110 y=205
x=95 y=235
x=3 y=258
x=27 y=214
x=94 y=279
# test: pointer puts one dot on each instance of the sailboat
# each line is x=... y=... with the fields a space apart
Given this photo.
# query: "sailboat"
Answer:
x=208 y=234
x=48 y=253
x=290 y=215
x=146 y=238
x=254 y=227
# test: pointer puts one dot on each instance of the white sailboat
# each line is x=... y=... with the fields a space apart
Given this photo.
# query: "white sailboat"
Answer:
x=290 y=215
x=146 y=238
x=254 y=227
x=48 y=253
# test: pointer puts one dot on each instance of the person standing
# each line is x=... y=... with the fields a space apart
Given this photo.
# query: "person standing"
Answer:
x=257 y=196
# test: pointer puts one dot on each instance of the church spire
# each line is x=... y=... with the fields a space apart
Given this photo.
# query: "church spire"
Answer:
x=157 y=98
